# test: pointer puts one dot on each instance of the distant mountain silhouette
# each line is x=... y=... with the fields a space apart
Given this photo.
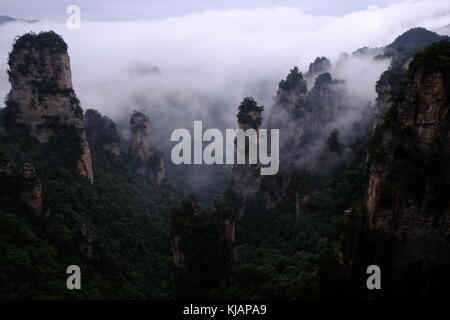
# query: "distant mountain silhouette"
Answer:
x=6 y=19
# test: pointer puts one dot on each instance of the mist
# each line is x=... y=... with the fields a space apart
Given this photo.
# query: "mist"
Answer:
x=200 y=66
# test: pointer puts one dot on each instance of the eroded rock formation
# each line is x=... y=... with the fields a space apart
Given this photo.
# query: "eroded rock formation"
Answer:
x=102 y=132
x=87 y=241
x=140 y=136
x=404 y=225
x=320 y=65
x=192 y=230
x=42 y=98
x=305 y=118
x=31 y=189
x=151 y=164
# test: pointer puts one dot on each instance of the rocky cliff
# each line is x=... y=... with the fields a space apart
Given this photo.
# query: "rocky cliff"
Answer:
x=49 y=216
x=151 y=164
x=202 y=240
x=5 y=164
x=42 y=98
x=140 y=136
x=320 y=65
x=305 y=118
x=102 y=132
x=31 y=189
x=404 y=224
x=246 y=177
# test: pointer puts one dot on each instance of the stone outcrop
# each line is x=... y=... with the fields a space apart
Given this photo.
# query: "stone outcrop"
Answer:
x=249 y=115
x=404 y=224
x=151 y=163
x=229 y=227
x=367 y=52
x=140 y=136
x=112 y=147
x=291 y=97
x=326 y=99
x=390 y=85
x=87 y=241
x=84 y=164
x=159 y=174
x=102 y=132
x=320 y=65
x=306 y=118
x=31 y=189
x=246 y=177
x=225 y=219
x=300 y=202
x=42 y=98
x=5 y=164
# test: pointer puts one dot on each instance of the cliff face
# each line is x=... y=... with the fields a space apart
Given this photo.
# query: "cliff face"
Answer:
x=102 y=132
x=326 y=98
x=42 y=97
x=289 y=108
x=389 y=88
x=151 y=164
x=5 y=164
x=291 y=95
x=140 y=136
x=407 y=201
x=5 y=168
x=31 y=189
x=246 y=177
x=305 y=118
x=202 y=240
x=320 y=65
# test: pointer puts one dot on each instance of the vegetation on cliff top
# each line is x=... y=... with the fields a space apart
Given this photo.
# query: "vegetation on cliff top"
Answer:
x=408 y=44
x=415 y=39
x=47 y=39
x=208 y=255
x=435 y=57
x=100 y=129
x=246 y=106
x=126 y=219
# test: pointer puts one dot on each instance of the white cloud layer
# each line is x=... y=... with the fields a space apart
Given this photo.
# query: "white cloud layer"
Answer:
x=200 y=66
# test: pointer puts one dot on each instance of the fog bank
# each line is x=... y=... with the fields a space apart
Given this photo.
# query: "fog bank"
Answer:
x=200 y=66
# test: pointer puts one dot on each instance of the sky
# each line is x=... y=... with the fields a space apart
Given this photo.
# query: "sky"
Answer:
x=113 y=10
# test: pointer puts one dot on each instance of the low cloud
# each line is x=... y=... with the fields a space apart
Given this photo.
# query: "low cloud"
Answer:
x=200 y=66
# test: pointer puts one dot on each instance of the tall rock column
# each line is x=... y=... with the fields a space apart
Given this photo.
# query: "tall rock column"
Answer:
x=152 y=164
x=246 y=177
x=305 y=118
x=42 y=98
